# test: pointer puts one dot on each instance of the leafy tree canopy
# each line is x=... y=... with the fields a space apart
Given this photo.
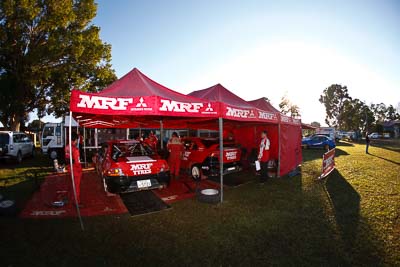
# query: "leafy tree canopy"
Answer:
x=48 y=47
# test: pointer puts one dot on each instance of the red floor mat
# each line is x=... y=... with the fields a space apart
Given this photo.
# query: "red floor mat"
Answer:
x=93 y=197
x=182 y=189
x=95 y=200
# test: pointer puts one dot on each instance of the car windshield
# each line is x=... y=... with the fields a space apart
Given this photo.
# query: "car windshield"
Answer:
x=209 y=142
x=48 y=131
x=130 y=150
x=4 y=138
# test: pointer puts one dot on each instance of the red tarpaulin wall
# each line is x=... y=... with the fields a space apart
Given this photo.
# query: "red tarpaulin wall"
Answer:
x=290 y=147
x=249 y=137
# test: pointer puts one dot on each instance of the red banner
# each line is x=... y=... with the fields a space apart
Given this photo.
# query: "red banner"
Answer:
x=328 y=163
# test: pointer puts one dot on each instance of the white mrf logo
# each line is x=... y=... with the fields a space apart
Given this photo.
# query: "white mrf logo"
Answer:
x=141 y=168
x=100 y=102
x=174 y=106
x=266 y=115
x=238 y=113
x=231 y=155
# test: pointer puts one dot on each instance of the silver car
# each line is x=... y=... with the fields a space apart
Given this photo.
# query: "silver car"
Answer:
x=15 y=145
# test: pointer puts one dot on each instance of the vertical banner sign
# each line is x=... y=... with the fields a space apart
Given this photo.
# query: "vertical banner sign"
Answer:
x=328 y=163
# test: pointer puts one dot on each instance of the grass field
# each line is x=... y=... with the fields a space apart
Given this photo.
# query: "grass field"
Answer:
x=350 y=218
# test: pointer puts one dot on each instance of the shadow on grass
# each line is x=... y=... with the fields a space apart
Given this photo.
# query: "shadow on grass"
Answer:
x=388 y=160
x=312 y=154
x=344 y=201
x=343 y=143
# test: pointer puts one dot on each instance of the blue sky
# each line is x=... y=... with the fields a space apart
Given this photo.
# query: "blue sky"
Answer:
x=260 y=48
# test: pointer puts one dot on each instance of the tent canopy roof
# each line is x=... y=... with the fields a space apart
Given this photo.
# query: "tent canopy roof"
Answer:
x=135 y=83
x=219 y=93
x=233 y=107
x=264 y=104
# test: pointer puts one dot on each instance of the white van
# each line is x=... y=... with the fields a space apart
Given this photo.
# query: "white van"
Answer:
x=15 y=145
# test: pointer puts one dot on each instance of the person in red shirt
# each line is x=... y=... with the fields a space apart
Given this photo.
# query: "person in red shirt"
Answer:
x=263 y=156
x=152 y=141
x=77 y=168
x=175 y=148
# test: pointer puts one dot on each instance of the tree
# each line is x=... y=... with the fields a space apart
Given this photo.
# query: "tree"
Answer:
x=288 y=108
x=35 y=126
x=316 y=124
x=48 y=47
x=391 y=114
x=333 y=99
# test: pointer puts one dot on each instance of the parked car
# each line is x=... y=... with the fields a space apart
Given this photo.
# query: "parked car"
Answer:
x=15 y=145
x=129 y=166
x=201 y=157
x=375 y=136
x=320 y=141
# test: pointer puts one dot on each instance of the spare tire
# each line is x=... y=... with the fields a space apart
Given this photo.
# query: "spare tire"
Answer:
x=211 y=196
x=7 y=207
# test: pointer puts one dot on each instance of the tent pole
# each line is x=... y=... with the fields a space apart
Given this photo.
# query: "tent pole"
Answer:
x=162 y=134
x=96 y=141
x=84 y=145
x=72 y=171
x=127 y=133
x=221 y=157
x=279 y=150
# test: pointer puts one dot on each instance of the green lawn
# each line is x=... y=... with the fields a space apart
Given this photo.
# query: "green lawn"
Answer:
x=349 y=219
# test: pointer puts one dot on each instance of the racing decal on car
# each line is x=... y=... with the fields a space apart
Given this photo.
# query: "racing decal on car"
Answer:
x=186 y=155
x=141 y=168
x=231 y=155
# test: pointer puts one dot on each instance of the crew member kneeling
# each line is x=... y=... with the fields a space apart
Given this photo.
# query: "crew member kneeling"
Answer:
x=263 y=156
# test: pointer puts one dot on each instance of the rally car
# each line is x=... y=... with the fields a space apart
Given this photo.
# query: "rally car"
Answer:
x=129 y=165
x=201 y=157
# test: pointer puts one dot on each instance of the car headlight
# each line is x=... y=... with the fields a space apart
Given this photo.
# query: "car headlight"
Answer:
x=115 y=172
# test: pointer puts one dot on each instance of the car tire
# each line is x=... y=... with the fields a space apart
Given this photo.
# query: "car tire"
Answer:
x=19 y=157
x=195 y=172
x=210 y=196
x=8 y=207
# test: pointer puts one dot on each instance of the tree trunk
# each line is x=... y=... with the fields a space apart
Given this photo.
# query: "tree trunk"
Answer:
x=15 y=123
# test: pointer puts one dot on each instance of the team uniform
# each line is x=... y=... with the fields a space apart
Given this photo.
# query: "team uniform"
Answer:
x=263 y=157
x=175 y=148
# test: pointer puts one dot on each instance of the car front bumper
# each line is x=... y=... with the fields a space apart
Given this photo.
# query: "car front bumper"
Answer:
x=128 y=184
x=211 y=167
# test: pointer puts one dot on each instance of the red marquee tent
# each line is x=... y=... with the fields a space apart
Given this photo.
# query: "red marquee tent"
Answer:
x=135 y=100
x=289 y=136
x=243 y=119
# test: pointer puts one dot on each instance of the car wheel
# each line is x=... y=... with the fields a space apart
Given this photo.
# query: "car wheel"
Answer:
x=19 y=157
x=326 y=147
x=53 y=154
x=196 y=172
x=7 y=207
x=210 y=196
